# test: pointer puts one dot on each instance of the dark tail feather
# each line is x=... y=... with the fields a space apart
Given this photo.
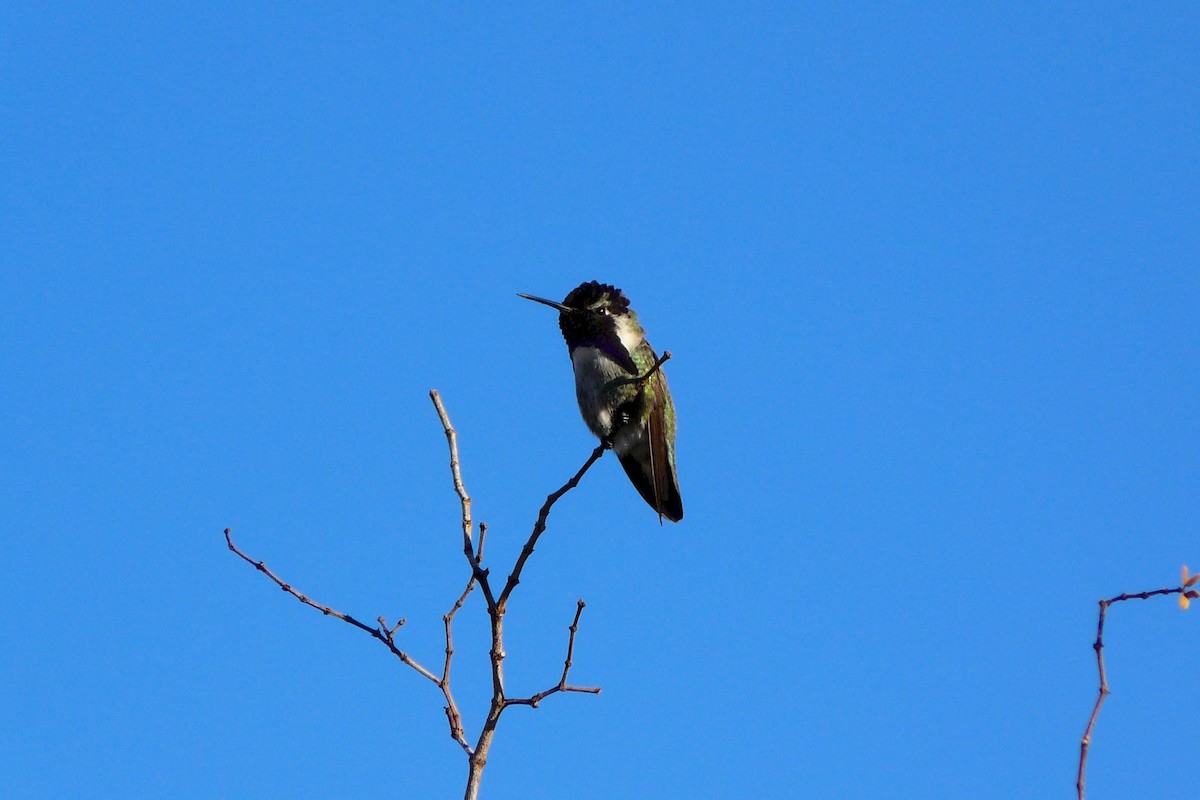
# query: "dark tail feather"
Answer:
x=642 y=469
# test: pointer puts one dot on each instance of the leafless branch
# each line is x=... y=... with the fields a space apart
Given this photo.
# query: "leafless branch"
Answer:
x=474 y=554
x=639 y=379
x=452 y=713
x=562 y=685
x=1098 y=646
x=496 y=607
x=540 y=526
x=483 y=529
x=381 y=633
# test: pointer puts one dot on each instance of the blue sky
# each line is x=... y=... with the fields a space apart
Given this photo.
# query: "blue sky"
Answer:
x=930 y=279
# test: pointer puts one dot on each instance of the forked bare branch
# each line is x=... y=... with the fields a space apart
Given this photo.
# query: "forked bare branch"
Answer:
x=1185 y=594
x=496 y=607
x=381 y=633
x=562 y=685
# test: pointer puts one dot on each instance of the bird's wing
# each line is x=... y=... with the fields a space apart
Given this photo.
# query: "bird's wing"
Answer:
x=662 y=457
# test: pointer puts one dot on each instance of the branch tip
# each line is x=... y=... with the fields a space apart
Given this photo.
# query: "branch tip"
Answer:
x=1104 y=691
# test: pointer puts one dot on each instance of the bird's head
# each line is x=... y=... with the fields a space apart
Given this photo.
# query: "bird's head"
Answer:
x=591 y=311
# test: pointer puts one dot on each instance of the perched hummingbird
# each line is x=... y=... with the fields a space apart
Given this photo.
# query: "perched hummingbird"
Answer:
x=636 y=418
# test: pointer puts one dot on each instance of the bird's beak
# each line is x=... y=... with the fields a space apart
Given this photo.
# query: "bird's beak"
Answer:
x=544 y=301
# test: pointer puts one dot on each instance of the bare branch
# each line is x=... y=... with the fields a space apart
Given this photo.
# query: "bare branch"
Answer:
x=448 y=620
x=390 y=631
x=497 y=607
x=473 y=551
x=640 y=379
x=483 y=529
x=562 y=685
x=381 y=633
x=452 y=714
x=455 y=471
x=540 y=526
x=474 y=557
x=1098 y=646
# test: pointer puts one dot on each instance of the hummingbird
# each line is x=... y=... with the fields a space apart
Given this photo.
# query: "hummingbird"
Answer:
x=629 y=412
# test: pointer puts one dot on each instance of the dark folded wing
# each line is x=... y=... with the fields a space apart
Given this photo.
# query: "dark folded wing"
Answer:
x=662 y=458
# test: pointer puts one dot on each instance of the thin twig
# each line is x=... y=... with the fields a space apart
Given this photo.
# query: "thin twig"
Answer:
x=639 y=379
x=473 y=551
x=474 y=557
x=392 y=630
x=452 y=714
x=496 y=607
x=382 y=633
x=540 y=526
x=483 y=529
x=1098 y=646
x=562 y=685
x=455 y=469
x=448 y=620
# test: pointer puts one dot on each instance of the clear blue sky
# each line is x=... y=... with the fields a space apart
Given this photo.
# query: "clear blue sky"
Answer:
x=931 y=278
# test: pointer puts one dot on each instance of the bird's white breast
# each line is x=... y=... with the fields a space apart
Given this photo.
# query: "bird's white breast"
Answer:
x=593 y=370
